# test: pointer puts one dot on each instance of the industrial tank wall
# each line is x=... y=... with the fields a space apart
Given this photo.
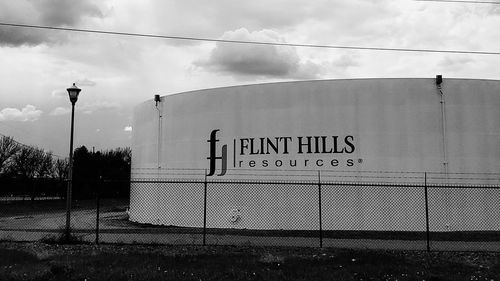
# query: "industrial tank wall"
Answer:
x=336 y=125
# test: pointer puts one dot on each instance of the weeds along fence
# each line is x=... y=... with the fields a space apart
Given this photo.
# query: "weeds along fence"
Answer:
x=418 y=211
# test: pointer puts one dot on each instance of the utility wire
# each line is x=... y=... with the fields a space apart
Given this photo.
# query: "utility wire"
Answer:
x=251 y=42
x=25 y=145
x=457 y=1
x=25 y=133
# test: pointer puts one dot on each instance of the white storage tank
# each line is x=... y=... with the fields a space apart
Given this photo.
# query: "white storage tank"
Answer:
x=359 y=130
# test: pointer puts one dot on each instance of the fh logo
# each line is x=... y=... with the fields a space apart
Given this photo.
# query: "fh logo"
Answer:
x=213 y=151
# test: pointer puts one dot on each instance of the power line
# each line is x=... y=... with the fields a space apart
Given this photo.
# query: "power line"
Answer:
x=25 y=133
x=457 y=1
x=25 y=145
x=252 y=42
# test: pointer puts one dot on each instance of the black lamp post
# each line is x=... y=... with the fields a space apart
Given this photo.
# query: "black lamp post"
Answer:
x=73 y=92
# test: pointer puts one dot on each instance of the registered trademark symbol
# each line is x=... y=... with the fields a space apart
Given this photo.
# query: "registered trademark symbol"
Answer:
x=360 y=160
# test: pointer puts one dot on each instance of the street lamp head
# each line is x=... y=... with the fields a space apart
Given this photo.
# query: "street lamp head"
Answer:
x=73 y=92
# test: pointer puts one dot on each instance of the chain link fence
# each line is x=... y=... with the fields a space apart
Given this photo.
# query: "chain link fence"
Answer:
x=417 y=211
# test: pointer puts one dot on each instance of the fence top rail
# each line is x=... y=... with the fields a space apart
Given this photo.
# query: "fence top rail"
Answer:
x=323 y=183
x=421 y=173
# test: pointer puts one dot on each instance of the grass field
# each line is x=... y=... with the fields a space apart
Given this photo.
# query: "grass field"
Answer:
x=38 y=261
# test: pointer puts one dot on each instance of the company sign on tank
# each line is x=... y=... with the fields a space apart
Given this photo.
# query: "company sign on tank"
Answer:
x=251 y=152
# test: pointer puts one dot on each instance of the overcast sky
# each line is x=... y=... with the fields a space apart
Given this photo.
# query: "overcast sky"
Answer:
x=117 y=72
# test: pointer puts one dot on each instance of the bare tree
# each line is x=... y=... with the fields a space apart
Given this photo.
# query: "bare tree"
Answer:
x=32 y=162
x=8 y=148
x=44 y=165
x=24 y=162
x=61 y=167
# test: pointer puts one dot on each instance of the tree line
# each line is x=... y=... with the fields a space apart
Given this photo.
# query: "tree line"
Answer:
x=19 y=161
x=29 y=169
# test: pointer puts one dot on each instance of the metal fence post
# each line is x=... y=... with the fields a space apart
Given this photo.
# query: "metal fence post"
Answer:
x=205 y=209
x=33 y=189
x=320 y=215
x=97 y=212
x=426 y=213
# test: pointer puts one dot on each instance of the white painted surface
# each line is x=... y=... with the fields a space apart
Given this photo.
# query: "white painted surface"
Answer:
x=396 y=126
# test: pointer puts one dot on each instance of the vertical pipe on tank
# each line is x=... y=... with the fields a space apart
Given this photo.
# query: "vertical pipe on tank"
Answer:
x=158 y=159
x=439 y=81
x=446 y=213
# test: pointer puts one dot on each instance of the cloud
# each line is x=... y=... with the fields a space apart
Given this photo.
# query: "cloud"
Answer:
x=59 y=93
x=12 y=36
x=85 y=82
x=42 y=12
x=209 y=19
x=127 y=129
x=345 y=61
x=62 y=92
x=256 y=60
x=456 y=62
x=28 y=113
x=89 y=108
x=63 y=12
x=60 y=111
